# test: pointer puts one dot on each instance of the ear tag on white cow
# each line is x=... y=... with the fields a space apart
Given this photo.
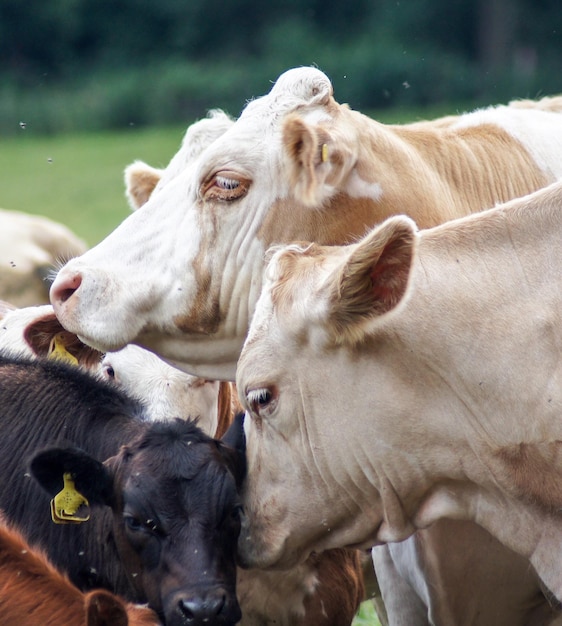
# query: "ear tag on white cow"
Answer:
x=324 y=152
x=69 y=505
x=57 y=350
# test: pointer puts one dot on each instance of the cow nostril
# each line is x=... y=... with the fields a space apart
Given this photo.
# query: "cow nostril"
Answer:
x=201 y=610
x=63 y=288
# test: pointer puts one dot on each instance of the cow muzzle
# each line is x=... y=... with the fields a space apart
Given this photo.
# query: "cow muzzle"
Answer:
x=213 y=607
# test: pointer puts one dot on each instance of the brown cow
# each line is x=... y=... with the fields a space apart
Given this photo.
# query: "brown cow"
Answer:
x=33 y=592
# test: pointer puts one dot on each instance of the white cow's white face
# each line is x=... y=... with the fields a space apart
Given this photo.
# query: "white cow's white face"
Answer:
x=182 y=274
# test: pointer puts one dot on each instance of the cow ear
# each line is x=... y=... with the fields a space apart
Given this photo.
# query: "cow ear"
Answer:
x=91 y=478
x=140 y=181
x=40 y=333
x=234 y=448
x=104 y=609
x=373 y=279
x=318 y=162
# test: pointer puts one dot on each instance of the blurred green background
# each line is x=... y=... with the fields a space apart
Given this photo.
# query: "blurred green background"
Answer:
x=98 y=64
x=87 y=86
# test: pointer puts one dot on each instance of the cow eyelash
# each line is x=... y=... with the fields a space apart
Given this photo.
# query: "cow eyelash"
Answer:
x=259 y=397
x=262 y=401
x=225 y=188
x=227 y=183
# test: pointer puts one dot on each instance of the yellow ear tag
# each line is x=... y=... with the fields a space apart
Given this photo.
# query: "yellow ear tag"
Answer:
x=324 y=152
x=69 y=505
x=57 y=350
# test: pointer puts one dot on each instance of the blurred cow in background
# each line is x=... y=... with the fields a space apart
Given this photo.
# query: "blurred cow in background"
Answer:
x=32 y=248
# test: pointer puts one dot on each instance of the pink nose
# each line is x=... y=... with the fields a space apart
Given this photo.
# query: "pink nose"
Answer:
x=64 y=286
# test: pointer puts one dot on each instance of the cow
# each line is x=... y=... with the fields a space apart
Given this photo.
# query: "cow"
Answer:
x=304 y=595
x=296 y=165
x=34 y=592
x=409 y=377
x=163 y=504
x=32 y=248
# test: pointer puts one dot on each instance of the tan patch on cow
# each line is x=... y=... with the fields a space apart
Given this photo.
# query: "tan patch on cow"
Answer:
x=140 y=181
x=481 y=166
x=431 y=173
x=343 y=220
x=548 y=103
x=534 y=470
x=204 y=316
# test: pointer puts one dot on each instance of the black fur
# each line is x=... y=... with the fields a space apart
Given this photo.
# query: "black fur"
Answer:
x=70 y=421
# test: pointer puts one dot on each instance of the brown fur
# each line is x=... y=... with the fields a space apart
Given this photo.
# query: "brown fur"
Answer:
x=39 y=335
x=33 y=593
x=534 y=471
x=429 y=171
x=206 y=317
x=333 y=603
x=548 y=103
x=140 y=181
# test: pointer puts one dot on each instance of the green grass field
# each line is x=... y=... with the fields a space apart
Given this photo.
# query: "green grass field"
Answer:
x=78 y=179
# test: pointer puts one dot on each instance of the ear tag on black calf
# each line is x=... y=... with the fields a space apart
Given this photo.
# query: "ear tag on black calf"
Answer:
x=69 y=506
x=57 y=350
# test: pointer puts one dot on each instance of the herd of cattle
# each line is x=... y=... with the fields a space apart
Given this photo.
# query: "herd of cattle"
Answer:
x=358 y=330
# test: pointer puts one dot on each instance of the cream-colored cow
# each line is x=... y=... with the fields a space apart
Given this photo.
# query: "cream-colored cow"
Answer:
x=32 y=249
x=409 y=378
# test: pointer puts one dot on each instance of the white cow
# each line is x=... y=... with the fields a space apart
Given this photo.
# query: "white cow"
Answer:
x=32 y=249
x=405 y=379
x=182 y=274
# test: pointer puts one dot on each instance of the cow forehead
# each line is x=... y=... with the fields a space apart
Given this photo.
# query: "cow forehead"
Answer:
x=195 y=483
x=259 y=124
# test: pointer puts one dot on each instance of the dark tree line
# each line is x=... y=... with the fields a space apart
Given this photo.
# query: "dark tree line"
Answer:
x=182 y=56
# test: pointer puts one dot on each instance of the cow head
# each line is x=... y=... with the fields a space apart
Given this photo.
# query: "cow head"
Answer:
x=182 y=274
x=173 y=493
x=318 y=308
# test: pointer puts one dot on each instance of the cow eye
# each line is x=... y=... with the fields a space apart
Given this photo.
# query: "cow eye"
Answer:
x=135 y=525
x=262 y=401
x=226 y=183
x=108 y=371
x=225 y=187
x=132 y=523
